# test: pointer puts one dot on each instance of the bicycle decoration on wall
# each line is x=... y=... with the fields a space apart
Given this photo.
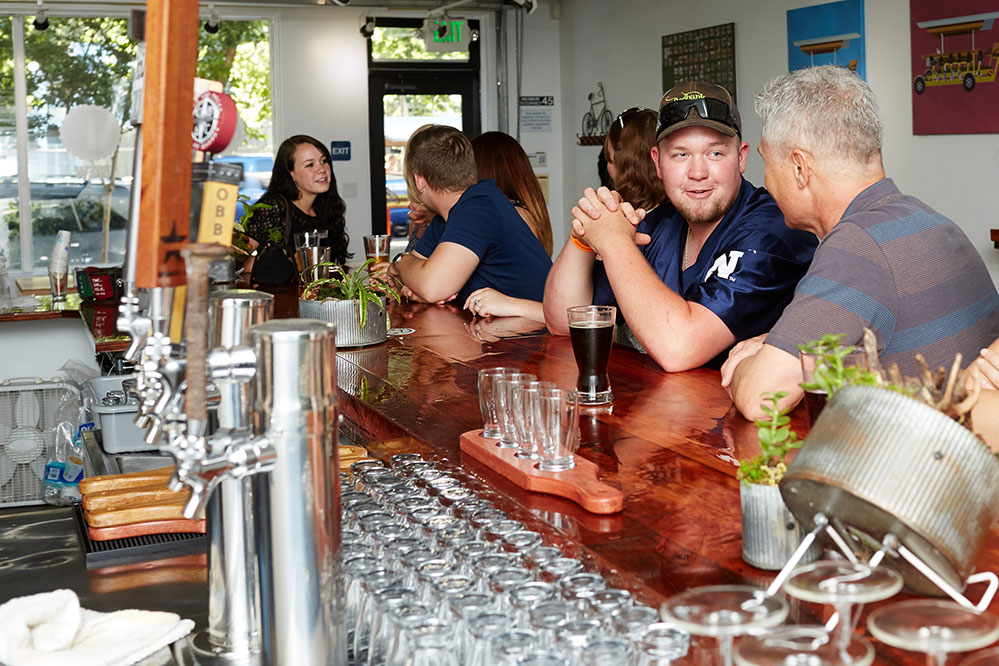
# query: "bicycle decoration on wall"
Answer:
x=596 y=121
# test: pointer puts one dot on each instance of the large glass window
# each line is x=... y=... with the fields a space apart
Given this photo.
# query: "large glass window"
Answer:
x=78 y=62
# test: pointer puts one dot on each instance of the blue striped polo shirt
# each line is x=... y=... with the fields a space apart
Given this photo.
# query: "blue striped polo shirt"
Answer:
x=898 y=266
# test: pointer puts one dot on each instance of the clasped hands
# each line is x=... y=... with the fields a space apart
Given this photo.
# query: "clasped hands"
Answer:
x=617 y=219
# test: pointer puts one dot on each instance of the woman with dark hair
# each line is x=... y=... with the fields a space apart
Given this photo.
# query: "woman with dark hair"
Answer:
x=500 y=157
x=628 y=147
x=302 y=196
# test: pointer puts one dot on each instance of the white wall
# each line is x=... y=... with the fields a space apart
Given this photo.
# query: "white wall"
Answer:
x=619 y=44
x=320 y=75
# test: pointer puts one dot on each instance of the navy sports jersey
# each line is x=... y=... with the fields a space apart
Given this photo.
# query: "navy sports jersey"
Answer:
x=745 y=273
x=511 y=258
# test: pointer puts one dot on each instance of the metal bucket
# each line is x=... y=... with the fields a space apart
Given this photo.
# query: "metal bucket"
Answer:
x=770 y=533
x=877 y=462
x=349 y=332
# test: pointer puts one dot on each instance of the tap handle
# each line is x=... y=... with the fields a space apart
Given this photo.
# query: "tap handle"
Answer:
x=199 y=258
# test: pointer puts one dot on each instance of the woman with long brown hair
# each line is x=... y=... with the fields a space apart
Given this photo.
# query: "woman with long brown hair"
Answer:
x=498 y=156
x=628 y=147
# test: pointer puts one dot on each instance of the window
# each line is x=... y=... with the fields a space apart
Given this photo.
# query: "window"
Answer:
x=91 y=61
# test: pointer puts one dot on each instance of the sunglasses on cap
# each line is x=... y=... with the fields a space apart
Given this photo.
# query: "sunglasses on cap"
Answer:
x=706 y=107
x=628 y=112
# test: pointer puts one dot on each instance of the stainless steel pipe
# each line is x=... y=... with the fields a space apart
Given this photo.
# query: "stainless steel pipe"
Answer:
x=233 y=632
x=296 y=504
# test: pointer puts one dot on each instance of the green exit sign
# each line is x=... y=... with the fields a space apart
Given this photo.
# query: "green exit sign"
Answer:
x=446 y=35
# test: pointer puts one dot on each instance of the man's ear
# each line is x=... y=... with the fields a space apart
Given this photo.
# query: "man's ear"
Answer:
x=655 y=159
x=421 y=183
x=801 y=162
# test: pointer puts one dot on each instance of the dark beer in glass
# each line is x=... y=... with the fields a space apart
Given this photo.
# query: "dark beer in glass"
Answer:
x=591 y=330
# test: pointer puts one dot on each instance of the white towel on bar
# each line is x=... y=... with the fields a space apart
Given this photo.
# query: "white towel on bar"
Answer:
x=50 y=629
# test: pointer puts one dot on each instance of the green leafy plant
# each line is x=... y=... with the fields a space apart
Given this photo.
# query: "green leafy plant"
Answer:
x=361 y=285
x=776 y=441
x=831 y=372
x=240 y=240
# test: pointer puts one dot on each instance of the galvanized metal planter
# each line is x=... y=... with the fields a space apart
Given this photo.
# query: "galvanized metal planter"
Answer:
x=877 y=462
x=770 y=533
x=349 y=332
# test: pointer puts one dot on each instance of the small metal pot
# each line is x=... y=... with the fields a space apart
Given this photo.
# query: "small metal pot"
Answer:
x=770 y=533
x=878 y=462
x=349 y=332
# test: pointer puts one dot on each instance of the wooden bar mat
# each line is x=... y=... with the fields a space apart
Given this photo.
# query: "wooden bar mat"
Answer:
x=580 y=484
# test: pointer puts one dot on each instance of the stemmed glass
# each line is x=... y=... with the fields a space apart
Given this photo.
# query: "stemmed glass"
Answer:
x=801 y=645
x=724 y=612
x=933 y=626
x=843 y=584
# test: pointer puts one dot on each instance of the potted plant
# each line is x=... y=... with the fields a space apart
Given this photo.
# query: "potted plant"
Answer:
x=355 y=302
x=770 y=533
x=897 y=456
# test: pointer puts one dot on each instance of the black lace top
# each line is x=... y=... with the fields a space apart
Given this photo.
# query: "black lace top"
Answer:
x=267 y=226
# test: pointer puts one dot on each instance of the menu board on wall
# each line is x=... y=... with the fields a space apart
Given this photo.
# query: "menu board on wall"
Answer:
x=707 y=54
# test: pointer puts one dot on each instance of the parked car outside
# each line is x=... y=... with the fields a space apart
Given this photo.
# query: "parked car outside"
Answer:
x=256 y=176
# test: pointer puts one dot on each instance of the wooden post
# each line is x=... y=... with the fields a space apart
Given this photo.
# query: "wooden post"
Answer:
x=171 y=54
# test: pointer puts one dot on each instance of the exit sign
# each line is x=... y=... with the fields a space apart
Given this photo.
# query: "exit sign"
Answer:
x=446 y=34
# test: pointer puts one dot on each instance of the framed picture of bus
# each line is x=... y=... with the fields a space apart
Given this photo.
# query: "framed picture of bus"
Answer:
x=955 y=56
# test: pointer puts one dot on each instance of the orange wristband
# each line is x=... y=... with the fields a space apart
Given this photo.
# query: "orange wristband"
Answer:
x=580 y=244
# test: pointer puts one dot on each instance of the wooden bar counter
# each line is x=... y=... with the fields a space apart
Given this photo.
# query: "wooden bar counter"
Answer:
x=670 y=442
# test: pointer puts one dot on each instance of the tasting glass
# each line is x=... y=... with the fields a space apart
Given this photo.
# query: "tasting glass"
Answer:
x=800 y=644
x=495 y=531
x=661 y=644
x=502 y=581
x=603 y=651
x=538 y=556
x=401 y=460
x=558 y=432
x=526 y=596
x=526 y=417
x=557 y=568
x=487 y=400
x=486 y=565
x=572 y=636
x=378 y=633
x=430 y=644
x=520 y=543
x=815 y=399
x=483 y=628
x=632 y=622
x=604 y=603
x=370 y=586
x=510 y=646
x=591 y=330
x=724 y=612
x=505 y=385
x=933 y=626
x=463 y=608
x=542 y=658
x=400 y=619
x=468 y=552
x=546 y=617
x=579 y=587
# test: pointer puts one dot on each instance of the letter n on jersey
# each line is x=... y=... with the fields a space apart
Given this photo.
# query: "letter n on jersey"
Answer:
x=725 y=265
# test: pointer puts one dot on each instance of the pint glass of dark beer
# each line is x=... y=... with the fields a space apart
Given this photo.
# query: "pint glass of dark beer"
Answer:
x=591 y=329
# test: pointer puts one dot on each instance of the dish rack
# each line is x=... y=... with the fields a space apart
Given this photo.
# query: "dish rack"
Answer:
x=28 y=412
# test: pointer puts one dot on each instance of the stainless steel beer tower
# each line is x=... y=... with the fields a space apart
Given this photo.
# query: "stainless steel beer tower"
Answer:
x=297 y=503
x=233 y=633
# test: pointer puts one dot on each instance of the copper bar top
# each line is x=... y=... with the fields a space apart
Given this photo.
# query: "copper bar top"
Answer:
x=670 y=442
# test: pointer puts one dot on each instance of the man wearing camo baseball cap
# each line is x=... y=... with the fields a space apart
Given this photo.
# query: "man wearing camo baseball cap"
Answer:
x=719 y=265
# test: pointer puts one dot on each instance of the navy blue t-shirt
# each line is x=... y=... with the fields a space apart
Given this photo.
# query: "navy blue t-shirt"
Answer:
x=745 y=273
x=511 y=258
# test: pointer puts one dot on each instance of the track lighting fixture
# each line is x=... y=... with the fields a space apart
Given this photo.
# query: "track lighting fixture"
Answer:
x=213 y=22
x=368 y=28
x=41 y=21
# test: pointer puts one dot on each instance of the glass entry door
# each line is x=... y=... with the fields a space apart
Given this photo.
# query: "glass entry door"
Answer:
x=406 y=90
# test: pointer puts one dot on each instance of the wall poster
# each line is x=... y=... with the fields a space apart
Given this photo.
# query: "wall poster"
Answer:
x=955 y=54
x=829 y=34
x=707 y=54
